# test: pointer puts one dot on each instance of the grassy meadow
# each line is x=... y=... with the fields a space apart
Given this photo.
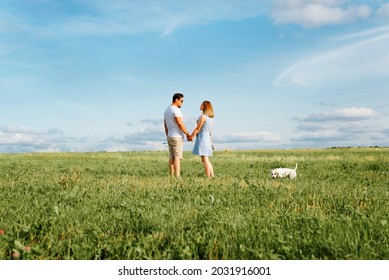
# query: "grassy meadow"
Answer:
x=125 y=206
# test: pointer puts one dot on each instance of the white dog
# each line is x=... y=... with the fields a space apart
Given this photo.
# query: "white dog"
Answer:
x=284 y=172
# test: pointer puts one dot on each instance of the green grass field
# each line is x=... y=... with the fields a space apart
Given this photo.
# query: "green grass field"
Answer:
x=125 y=206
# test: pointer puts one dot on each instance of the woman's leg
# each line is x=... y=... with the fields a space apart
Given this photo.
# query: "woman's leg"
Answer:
x=211 y=169
x=207 y=166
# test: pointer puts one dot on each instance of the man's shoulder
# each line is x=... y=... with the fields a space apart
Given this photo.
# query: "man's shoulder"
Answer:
x=169 y=109
x=173 y=110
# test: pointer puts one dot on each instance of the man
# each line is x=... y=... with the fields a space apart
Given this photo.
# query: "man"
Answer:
x=175 y=132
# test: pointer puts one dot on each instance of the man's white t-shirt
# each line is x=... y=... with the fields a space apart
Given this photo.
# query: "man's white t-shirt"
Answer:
x=172 y=126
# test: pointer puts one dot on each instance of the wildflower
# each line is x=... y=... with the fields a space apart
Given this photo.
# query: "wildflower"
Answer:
x=2 y=232
x=15 y=255
x=27 y=249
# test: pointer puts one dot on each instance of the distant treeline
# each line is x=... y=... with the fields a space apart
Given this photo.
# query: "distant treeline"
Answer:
x=360 y=147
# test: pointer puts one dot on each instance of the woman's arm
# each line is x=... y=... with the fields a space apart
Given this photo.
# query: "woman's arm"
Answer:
x=199 y=126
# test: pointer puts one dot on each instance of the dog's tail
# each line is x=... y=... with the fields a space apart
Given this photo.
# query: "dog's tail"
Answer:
x=296 y=167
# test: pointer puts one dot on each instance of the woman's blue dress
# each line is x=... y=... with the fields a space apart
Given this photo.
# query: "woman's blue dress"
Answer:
x=203 y=144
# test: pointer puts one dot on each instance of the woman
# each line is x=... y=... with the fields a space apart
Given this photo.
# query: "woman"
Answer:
x=203 y=145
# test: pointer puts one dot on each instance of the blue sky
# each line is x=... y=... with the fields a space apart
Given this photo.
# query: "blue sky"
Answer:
x=97 y=75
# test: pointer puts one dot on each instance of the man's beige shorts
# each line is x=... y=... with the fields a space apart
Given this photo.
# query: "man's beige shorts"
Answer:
x=175 y=147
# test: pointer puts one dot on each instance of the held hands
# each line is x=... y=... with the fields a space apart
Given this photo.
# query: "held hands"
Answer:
x=189 y=138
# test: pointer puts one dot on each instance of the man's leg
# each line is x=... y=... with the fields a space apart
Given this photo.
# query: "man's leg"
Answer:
x=177 y=166
x=171 y=156
x=171 y=166
x=176 y=152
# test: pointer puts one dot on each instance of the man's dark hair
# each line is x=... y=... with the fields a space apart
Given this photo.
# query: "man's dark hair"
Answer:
x=177 y=96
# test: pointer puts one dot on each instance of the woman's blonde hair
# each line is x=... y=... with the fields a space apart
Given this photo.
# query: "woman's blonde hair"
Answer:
x=208 y=109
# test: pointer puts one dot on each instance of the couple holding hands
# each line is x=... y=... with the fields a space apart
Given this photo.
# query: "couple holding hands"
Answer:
x=176 y=131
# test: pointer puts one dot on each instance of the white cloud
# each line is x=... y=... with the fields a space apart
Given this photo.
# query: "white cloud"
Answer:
x=316 y=13
x=100 y=17
x=383 y=11
x=7 y=22
x=15 y=139
x=3 y=26
x=22 y=130
x=71 y=105
x=348 y=126
x=151 y=138
x=257 y=137
x=365 y=59
x=154 y=139
x=365 y=33
x=341 y=115
x=156 y=122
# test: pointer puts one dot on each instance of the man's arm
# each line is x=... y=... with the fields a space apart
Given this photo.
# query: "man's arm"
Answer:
x=181 y=125
x=166 y=129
